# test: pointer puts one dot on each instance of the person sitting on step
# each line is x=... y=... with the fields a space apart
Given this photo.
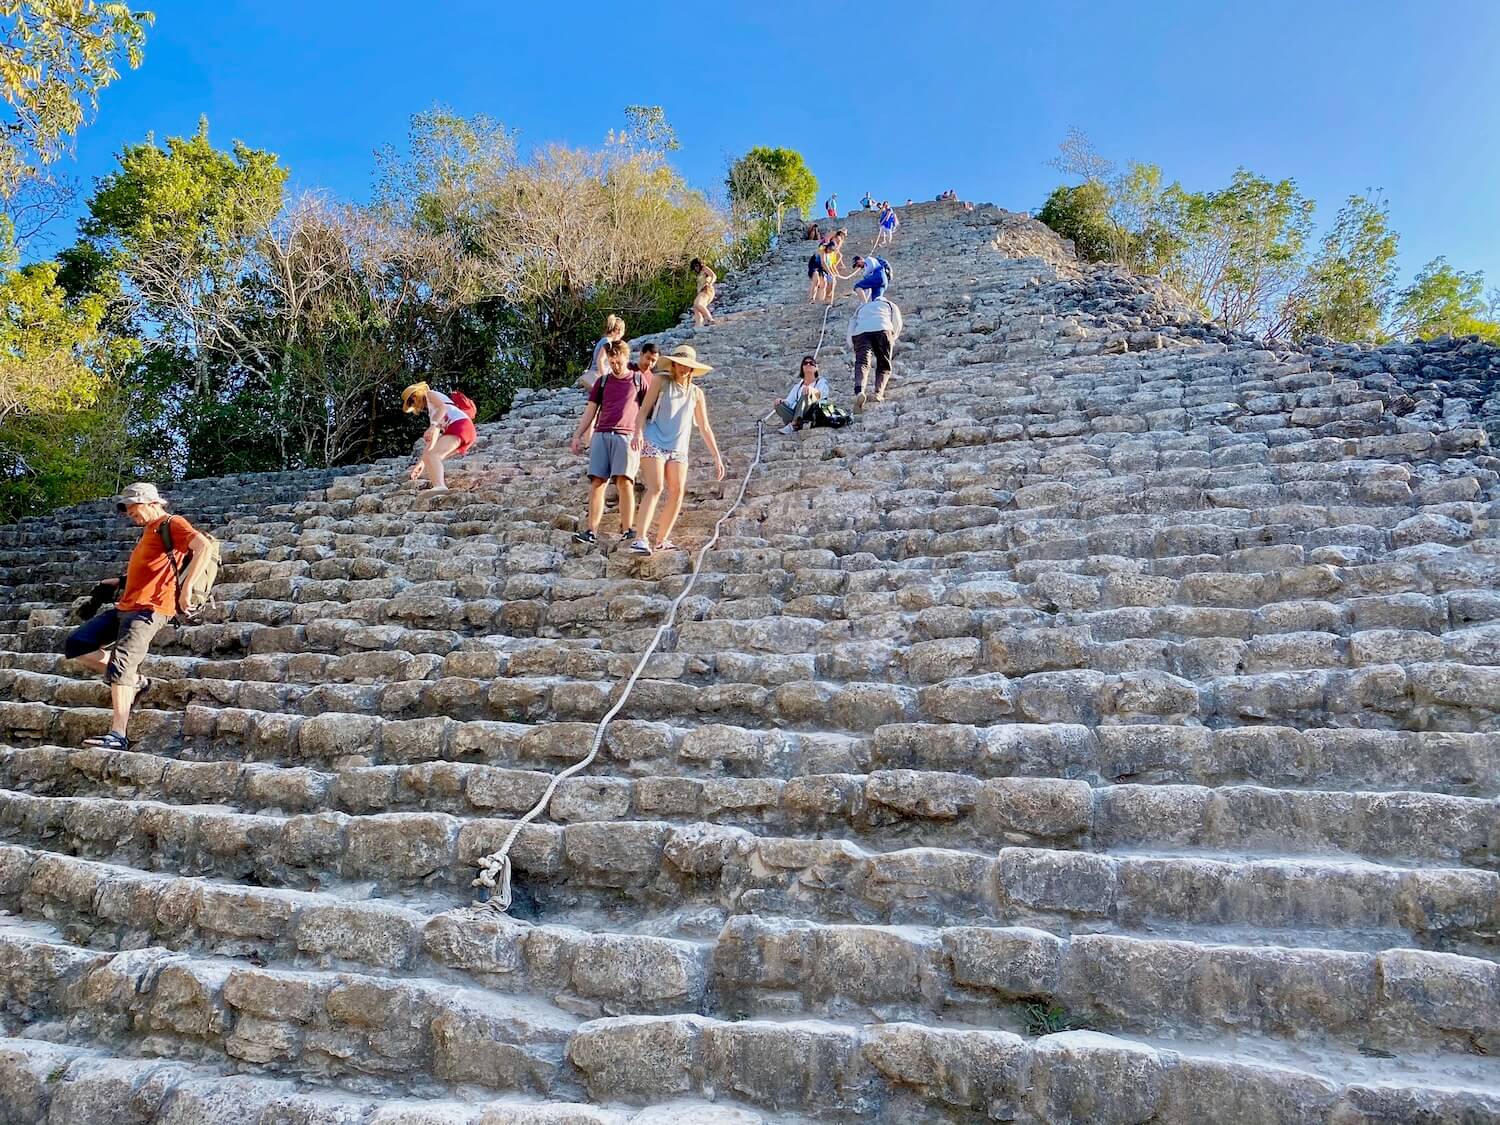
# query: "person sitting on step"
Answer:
x=610 y=415
x=663 y=436
x=808 y=388
x=114 y=643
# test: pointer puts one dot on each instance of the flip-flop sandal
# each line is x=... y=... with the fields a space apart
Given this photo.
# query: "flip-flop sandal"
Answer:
x=110 y=741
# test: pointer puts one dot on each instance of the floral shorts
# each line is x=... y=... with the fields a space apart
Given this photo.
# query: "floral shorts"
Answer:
x=649 y=450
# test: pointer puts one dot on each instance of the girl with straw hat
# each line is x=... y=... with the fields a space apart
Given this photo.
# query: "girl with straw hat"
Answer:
x=663 y=434
x=450 y=429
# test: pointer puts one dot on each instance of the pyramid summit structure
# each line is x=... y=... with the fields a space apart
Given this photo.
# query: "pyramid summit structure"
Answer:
x=1105 y=728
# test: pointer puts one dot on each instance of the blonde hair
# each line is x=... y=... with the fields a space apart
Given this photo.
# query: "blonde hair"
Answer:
x=617 y=347
x=613 y=324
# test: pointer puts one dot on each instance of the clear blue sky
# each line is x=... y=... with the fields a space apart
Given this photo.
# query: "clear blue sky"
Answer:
x=1343 y=95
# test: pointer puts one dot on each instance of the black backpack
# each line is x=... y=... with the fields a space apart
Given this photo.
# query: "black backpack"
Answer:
x=597 y=393
x=826 y=414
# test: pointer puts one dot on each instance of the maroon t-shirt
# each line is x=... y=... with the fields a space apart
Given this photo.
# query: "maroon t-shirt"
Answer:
x=619 y=400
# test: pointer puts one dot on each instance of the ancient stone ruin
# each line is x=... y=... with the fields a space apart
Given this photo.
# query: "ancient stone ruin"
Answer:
x=1101 y=730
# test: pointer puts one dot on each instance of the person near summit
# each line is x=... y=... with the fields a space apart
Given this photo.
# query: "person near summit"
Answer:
x=868 y=202
x=809 y=387
x=114 y=643
x=888 y=224
x=877 y=276
x=873 y=330
x=450 y=430
x=606 y=428
x=663 y=436
x=707 y=279
x=614 y=329
x=831 y=205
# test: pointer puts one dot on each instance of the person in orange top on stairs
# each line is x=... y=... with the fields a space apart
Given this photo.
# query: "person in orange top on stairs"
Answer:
x=114 y=643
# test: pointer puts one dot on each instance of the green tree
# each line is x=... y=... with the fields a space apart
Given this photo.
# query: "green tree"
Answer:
x=51 y=353
x=1443 y=301
x=559 y=234
x=765 y=182
x=55 y=57
x=1081 y=213
x=1347 y=287
x=1239 y=249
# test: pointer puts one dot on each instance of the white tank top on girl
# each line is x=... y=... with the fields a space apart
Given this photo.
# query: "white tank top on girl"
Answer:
x=440 y=409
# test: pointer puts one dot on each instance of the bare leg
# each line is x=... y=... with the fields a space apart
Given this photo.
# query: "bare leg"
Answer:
x=120 y=699
x=596 y=502
x=432 y=460
x=676 y=473
x=96 y=661
x=651 y=477
x=625 y=494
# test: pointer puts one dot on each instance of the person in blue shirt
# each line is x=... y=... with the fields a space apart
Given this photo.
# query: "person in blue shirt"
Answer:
x=877 y=276
x=868 y=202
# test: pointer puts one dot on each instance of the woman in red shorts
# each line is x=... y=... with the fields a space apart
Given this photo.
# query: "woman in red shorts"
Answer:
x=449 y=434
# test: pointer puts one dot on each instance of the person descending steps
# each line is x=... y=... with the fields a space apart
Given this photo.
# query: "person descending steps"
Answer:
x=707 y=279
x=663 y=436
x=888 y=224
x=450 y=429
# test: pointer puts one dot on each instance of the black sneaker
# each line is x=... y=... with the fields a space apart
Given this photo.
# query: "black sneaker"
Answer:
x=585 y=537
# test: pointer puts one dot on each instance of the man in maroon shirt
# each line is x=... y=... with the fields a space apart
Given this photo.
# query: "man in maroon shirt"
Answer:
x=610 y=416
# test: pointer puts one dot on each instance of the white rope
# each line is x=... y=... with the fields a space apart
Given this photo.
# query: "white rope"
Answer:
x=495 y=869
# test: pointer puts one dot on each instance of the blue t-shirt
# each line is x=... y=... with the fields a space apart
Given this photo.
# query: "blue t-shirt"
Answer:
x=877 y=274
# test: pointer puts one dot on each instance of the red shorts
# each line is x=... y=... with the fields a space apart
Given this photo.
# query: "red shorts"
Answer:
x=463 y=430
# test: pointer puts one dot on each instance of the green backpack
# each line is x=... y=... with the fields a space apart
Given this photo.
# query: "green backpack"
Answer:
x=199 y=594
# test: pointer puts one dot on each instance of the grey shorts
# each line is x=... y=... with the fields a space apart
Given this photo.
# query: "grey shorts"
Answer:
x=610 y=455
x=126 y=634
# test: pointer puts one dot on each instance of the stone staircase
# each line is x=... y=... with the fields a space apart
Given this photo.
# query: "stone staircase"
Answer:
x=1103 y=729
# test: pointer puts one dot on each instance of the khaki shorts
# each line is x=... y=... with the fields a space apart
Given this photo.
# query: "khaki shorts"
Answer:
x=126 y=634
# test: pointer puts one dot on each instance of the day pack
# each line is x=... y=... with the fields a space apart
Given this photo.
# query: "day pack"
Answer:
x=464 y=403
x=597 y=392
x=826 y=414
x=199 y=594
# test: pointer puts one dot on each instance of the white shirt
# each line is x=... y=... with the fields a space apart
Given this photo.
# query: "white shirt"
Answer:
x=820 y=385
x=440 y=409
x=879 y=315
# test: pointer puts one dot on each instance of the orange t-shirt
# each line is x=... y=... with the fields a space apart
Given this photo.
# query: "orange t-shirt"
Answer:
x=149 y=581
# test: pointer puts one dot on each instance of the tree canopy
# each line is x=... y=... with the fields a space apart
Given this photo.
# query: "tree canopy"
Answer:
x=1243 y=253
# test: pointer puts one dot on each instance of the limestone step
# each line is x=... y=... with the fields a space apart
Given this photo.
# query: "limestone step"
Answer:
x=621 y=867
x=912 y=807
x=47 y=1083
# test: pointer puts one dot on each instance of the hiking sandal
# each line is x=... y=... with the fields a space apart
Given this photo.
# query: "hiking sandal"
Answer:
x=114 y=740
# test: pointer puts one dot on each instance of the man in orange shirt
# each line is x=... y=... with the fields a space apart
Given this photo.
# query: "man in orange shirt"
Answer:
x=115 y=642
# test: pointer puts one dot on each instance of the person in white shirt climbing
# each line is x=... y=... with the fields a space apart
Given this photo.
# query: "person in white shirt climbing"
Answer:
x=873 y=330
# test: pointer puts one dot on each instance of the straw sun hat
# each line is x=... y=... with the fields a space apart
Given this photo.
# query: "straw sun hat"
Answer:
x=412 y=393
x=685 y=355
